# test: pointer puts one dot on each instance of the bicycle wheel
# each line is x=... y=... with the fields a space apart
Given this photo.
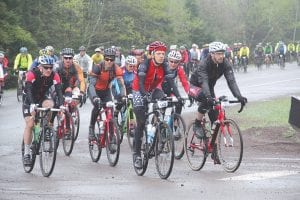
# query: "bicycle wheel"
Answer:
x=29 y=168
x=76 y=119
x=47 y=151
x=131 y=125
x=145 y=148
x=120 y=123
x=230 y=145
x=95 y=146
x=68 y=138
x=164 y=150
x=178 y=128
x=19 y=91
x=113 y=143
x=195 y=149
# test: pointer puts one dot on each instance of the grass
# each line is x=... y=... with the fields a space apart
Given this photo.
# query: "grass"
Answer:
x=270 y=113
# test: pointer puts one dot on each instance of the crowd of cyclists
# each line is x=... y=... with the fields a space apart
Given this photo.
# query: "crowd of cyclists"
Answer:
x=150 y=73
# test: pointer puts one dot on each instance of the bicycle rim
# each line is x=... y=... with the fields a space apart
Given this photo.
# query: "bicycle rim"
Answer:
x=230 y=146
x=76 y=120
x=113 y=143
x=28 y=168
x=95 y=147
x=195 y=149
x=47 y=152
x=68 y=140
x=144 y=154
x=164 y=151
x=131 y=125
x=178 y=129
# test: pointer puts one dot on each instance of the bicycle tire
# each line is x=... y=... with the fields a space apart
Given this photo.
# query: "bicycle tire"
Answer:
x=164 y=150
x=144 y=155
x=113 y=148
x=131 y=126
x=76 y=119
x=28 y=168
x=19 y=91
x=195 y=149
x=47 y=151
x=120 y=124
x=95 y=146
x=230 y=155
x=179 y=139
x=68 y=140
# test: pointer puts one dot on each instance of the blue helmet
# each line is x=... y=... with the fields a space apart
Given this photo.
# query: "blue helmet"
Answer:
x=46 y=60
x=23 y=50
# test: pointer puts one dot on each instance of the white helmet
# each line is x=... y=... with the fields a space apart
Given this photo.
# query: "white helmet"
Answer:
x=217 y=47
x=98 y=49
x=131 y=60
x=176 y=55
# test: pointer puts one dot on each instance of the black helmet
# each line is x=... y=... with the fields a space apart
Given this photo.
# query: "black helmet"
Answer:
x=110 y=52
x=67 y=51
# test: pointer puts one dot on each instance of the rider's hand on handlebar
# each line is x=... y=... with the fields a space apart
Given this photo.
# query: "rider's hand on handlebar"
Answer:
x=243 y=100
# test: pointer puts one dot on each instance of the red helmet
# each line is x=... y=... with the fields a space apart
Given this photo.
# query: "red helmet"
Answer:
x=157 y=46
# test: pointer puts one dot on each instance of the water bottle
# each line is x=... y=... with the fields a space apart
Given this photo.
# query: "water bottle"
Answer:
x=150 y=133
x=36 y=131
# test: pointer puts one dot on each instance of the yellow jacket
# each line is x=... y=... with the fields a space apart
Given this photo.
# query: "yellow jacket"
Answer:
x=97 y=58
x=23 y=62
x=244 y=51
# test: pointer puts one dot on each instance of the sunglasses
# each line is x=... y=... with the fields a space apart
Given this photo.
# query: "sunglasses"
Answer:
x=47 y=67
x=68 y=58
x=109 y=59
x=174 y=62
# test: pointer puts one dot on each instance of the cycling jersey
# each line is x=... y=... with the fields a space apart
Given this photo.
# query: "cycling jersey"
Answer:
x=97 y=58
x=85 y=61
x=37 y=86
x=23 y=62
x=173 y=75
x=71 y=76
x=128 y=79
x=244 y=51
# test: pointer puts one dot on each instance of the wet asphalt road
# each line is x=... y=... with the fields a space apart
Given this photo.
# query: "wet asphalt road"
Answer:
x=264 y=175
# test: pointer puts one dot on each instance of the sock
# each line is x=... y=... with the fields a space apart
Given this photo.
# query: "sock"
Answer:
x=27 y=149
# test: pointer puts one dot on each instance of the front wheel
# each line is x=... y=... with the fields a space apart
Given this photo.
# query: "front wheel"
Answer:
x=195 y=149
x=76 y=120
x=113 y=143
x=164 y=150
x=19 y=91
x=95 y=148
x=178 y=128
x=29 y=168
x=47 y=151
x=68 y=136
x=230 y=145
x=145 y=148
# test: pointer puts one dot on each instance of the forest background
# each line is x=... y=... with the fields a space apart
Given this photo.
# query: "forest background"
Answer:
x=93 y=23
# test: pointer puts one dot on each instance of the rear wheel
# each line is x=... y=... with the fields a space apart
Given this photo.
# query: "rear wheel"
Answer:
x=47 y=151
x=68 y=135
x=178 y=128
x=195 y=149
x=76 y=119
x=113 y=143
x=230 y=146
x=33 y=151
x=164 y=150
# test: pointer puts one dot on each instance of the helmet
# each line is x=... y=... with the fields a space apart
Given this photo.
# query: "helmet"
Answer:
x=182 y=47
x=82 y=48
x=216 y=47
x=49 y=48
x=173 y=47
x=194 y=46
x=131 y=60
x=157 y=46
x=46 y=60
x=97 y=49
x=137 y=52
x=23 y=50
x=1 y=55
x=42 y=52
x=176 y=55
x=110 y=52
x=67 y=51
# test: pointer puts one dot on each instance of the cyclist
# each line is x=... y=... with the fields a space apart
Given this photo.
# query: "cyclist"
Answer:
x=3 y=71
x=244 y=51
x=50 y=51
x=22 y=62
x=84 y=60
x=128 y=72
x=100 y=79
x=291 y=51
x=97 y=57
x=298 y=51
x=139 y=54
x=38 y=82
x=205 y=78
x=268 y=50
x=281 y=49
x=148 y=79
x=35 y=62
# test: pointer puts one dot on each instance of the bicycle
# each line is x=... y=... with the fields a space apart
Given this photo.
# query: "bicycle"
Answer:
x=162 y=145
x=21 y=85
x=223 y=139
x=43 y=142
x=127 y=121
x=107 y=135
x=281 y=62
x=66 y=127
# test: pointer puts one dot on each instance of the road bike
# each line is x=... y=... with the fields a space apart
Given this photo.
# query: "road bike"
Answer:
x=43 y=142
x=161 y=145
x=126 y=121
x=281 y=61
x=244 y=63
x=222 y=138
x=107 y=135
x=66 y=127
x=21 y=85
